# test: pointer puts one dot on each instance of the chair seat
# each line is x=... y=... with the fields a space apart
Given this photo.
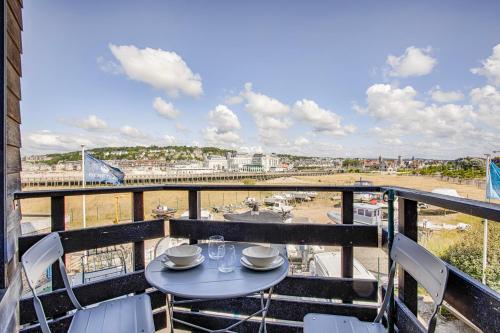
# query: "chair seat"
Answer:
x=125 y=315
x=323 y=323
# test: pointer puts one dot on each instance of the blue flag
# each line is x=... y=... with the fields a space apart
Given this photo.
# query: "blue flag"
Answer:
x=101 y=172
x=493 y=184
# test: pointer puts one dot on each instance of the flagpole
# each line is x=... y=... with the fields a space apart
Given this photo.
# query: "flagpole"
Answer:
x=83 y=186
x=485 y=236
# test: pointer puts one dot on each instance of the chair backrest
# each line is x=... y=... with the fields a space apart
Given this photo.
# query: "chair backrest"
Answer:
x=35 y=262
x=424 y=267
x=166 y=243
x=430 y=271
x=40 y=256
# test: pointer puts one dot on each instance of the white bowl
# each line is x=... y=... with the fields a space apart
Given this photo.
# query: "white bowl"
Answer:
x=260 y=256
x=183 y=255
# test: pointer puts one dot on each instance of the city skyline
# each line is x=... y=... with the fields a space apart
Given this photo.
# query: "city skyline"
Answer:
x=323 y=79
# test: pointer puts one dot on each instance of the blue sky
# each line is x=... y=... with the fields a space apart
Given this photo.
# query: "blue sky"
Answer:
x=318 y=78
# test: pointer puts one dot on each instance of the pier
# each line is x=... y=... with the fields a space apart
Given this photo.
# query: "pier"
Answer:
x=47 y=180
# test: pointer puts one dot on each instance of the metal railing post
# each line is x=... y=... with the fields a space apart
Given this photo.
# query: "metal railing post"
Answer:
x=194 y=201
x=407 y=225
x=138 y=216
x=57 y=208
x=347 y=251
x=390 y=239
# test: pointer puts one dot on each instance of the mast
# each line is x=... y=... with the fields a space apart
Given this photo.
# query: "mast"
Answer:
x=485 y=235
x=83 y=186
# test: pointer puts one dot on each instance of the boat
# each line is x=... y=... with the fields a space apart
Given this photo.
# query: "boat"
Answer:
x=301 y=256
x=447 y=191
x=162 y=211
x=362 y=213
x=428 y=225
x=301 y=196
x=258 y=216
x=250 y=201
x=312 y=195
x=280 y=207
x=205 y=215
x=269 y=201
x=362 y=182
x=365 y=196
x=328 y=264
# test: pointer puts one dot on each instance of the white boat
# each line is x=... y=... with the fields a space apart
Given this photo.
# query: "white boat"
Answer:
x=250 y=201
x=312 y=195
x=163 y=211
x=267 y=216
x=362 y=214
x=328 y=264
x=269 y=201
x=364 y=196
x=428 y=225
x=280 y=207
x=447 y=191
x=205 y=215
x=301 y=196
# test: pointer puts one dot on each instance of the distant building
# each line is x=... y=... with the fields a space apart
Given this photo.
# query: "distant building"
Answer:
x=236 y=161
x=217 y=163
x=267 y=162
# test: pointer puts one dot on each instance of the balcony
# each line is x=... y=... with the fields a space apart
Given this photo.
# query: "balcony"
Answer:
x=296 y=296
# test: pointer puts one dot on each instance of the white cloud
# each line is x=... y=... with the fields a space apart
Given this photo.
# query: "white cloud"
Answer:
x=213 y=137
x=46 y=140
x=269 y=115
x=441 y=96
x=487 y=101
x=251 y=149
x=222 y=131
x=414 y=62
x=224 y=119
x=433 y=130
x=91 y=123
x=384 y=101
x=322 y=121
x=392 y=141
x=301 y=141
x=94 y=123
x=406 y=114
x=261 y=104
x=233 y=100
x=165 y=109
x=491 y=67
x=159 y=68
x=132 y=132
x=109 y=66
x=169 y=139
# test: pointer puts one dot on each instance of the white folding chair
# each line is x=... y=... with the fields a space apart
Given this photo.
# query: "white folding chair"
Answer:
x=168 y=242
x=422 y=265
x=129 y=314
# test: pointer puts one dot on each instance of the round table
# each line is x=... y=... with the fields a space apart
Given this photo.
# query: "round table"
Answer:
x=205 y=282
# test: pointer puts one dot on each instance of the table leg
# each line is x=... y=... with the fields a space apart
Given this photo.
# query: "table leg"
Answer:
x=264 y=308
x=170 y=305
x=264 y=303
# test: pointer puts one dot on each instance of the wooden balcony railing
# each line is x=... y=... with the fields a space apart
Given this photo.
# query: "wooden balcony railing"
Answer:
x=475 y=301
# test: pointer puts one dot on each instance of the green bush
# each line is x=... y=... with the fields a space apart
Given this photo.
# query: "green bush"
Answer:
x=467 y=255
x=249 y=181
